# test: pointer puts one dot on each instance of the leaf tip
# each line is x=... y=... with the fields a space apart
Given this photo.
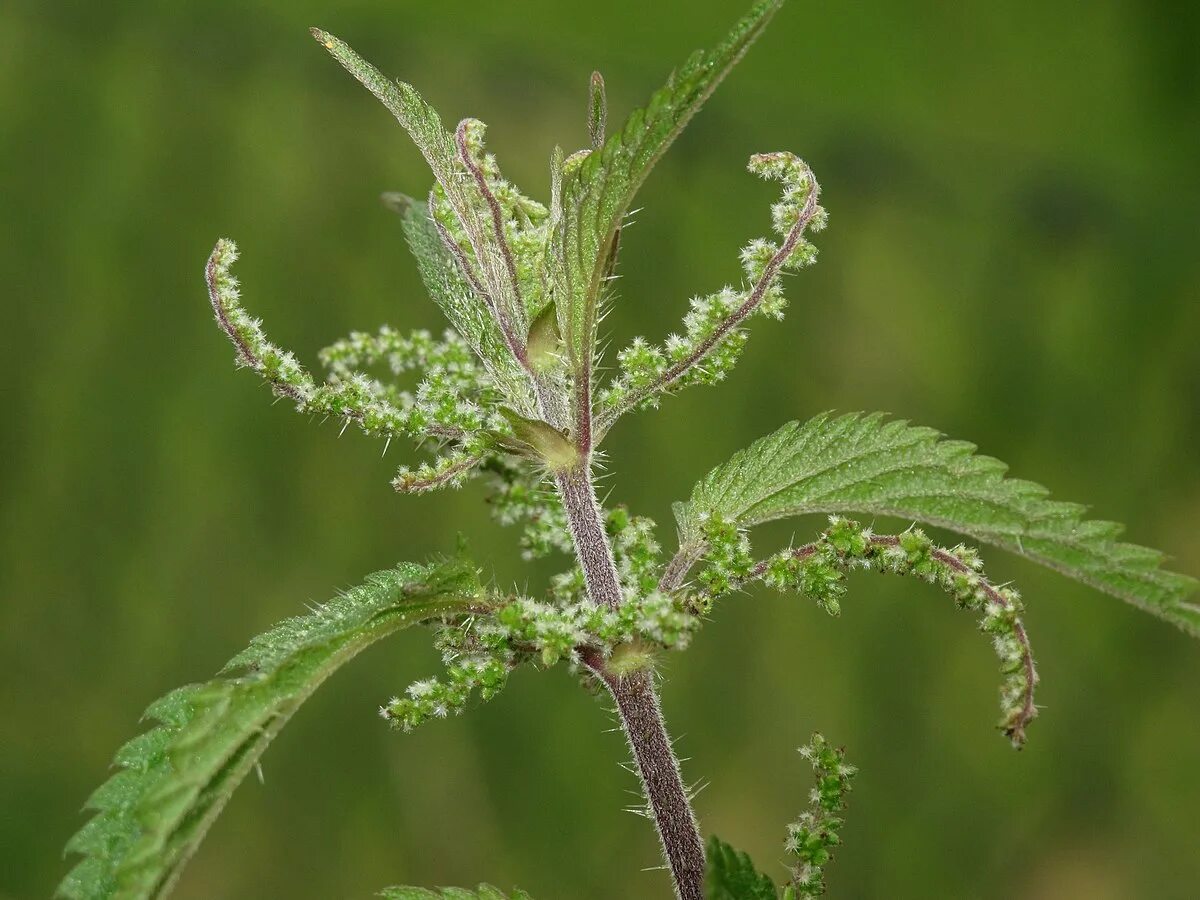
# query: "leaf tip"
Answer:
x=323 y=38
x=597 y=110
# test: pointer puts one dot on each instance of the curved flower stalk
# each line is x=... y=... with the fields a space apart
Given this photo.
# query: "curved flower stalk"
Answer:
x=713 y=336
x=508 y=393
x=818 y=570
x=451 y=405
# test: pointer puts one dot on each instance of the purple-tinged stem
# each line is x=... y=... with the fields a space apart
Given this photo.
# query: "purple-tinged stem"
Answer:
x=635 y=694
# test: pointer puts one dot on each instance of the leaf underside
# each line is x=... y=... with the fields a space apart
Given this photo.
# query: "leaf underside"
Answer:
x=865 y=464
x=450 y=291
x=174 y=779
x=598 y=193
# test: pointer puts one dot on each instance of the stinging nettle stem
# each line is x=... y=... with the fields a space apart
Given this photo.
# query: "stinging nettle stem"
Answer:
x=641 y=717
x=590 y=537
x=635 y=695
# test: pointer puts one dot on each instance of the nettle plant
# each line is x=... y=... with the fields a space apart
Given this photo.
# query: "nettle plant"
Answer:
x=511 y=395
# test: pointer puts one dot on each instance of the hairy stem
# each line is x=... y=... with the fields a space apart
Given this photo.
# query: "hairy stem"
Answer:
x=590 y=538
x=635 y=695
x=641 y=717
x=677 y=569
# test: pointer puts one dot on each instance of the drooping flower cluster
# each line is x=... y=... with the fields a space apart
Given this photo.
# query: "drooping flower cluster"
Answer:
x=473 y=665
x=818 y=570
x=523 y=497
x=455 y=402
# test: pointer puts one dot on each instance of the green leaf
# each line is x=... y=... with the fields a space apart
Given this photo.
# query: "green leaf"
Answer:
x=484 y=892
x=543 y=341
x=441 y=151
x=450 y=291
x=174 y=780
x=442 y=276
x=731 y=875
x=864 y=464
x=597 y=110
x=598 y=189
x=541 y=441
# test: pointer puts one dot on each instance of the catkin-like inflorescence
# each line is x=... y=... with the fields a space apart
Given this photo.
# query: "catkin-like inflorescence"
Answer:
x=454 y=400
x=475 y=661
x=818 y=570
x=811 y=839
x=713 y=330
x=522 y=496
x=454 y=405
x=479 y=651
x=450 y=358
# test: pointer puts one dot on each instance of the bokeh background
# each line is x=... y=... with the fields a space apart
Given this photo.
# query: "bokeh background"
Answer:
x=1011 y=258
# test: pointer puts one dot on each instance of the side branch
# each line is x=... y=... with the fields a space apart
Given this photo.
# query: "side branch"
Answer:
x=444 y=414
x=818 y=570
x=1001 y=610
x=349 y=400
x=677 y=569
x=758 y=293
x=244 y=333
x=445 y=470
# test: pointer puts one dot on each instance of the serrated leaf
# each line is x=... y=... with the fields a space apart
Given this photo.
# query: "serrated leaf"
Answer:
x=731 y=875
x=441 y=152
x=865 y=464
x=483 y=892
x=598 y=191
x=175 y=779
x=451 y=292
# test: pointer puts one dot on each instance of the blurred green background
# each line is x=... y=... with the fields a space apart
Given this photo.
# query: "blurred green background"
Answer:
x=1011 y=258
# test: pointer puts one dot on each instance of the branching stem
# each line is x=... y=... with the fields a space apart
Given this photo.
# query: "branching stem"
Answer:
x=635 y=695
